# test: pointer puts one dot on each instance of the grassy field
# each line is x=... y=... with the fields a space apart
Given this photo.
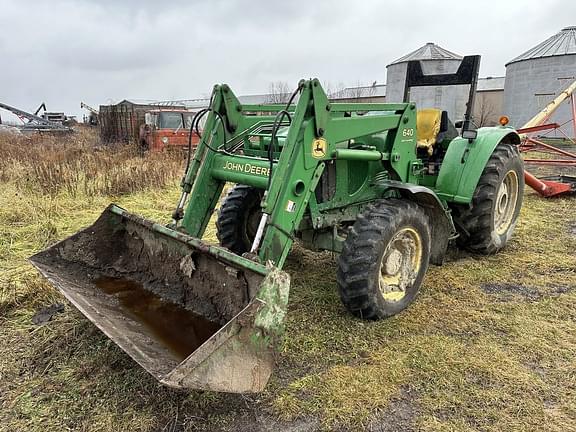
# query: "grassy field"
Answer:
x=490 y=344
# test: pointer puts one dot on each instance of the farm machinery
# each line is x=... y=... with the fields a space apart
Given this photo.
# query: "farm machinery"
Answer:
x=554 y=185
x=166 y=128
x=92 y=118
x=48 y=122
x=384 y=185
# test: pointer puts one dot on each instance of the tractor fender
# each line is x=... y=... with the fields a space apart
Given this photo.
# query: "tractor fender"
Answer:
x=464 y=162
x=441 y=225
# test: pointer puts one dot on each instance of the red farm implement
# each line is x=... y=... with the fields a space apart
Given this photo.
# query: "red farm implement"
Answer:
x=543 y=155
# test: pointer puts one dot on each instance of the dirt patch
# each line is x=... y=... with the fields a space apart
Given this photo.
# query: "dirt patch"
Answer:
x=399 y=416
x=454 y=253
x=45 y=314
x=556 y=290
x=536 y=368
x=572 y=229
x=263 y=423
x=236 y=413
x=509 y=292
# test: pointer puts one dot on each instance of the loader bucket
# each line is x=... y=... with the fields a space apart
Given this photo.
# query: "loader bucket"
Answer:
x=193 y=315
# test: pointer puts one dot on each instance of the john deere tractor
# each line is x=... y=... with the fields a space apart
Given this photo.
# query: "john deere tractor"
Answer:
x=383 y=184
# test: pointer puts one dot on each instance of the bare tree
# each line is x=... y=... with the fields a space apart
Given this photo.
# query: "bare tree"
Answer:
x=485 y=113
x=360 y=91
x=334 y=91
x=278 y=92
x=354 y=93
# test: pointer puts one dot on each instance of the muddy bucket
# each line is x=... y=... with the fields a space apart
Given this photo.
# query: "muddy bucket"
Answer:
x=193 y=315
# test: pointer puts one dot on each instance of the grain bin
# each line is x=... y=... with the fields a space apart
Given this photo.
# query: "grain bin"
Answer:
x=535 y=77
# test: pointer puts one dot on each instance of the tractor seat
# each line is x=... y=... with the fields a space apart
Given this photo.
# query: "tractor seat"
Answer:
x=428 y=126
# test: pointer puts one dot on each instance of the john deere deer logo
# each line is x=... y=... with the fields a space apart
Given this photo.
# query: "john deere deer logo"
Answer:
x=319 y=148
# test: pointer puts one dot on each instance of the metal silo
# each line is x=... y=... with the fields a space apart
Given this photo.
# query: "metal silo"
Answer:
x=535 y=77
x=434 y=60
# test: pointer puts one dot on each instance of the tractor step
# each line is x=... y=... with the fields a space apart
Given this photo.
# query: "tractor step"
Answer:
x=193 y=315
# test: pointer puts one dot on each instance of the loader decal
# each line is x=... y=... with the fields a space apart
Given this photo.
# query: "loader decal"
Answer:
x=247 y=168
x=319 y=148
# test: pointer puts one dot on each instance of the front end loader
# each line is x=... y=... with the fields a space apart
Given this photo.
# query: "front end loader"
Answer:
x=382 y=185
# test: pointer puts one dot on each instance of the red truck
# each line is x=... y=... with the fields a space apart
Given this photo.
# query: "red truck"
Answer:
x=166 y=128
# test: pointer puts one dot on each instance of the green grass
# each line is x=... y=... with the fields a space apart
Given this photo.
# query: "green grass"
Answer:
x=490 y=344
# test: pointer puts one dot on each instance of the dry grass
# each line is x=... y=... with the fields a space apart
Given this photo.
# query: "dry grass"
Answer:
x=77 y=165
x=490 y=344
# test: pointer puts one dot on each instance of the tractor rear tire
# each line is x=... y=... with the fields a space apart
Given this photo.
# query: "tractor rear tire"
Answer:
x=488 y=222
x=238 y=218
x=384 y=259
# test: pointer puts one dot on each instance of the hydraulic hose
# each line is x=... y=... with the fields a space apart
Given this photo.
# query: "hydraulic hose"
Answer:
x=275 y=127
x=271 y=148
x=194 y=127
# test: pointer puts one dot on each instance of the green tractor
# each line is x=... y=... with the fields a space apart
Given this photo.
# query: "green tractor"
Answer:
x=384 y=185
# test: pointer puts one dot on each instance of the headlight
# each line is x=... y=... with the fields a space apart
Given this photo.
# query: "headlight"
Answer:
x=165 y=140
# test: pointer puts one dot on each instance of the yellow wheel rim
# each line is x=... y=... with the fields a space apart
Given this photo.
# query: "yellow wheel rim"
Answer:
x=400 y=264
x=506 y=199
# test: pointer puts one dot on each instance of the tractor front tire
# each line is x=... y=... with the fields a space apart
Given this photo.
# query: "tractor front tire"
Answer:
x=384 y=259
x=238 y=218
x=488 y=222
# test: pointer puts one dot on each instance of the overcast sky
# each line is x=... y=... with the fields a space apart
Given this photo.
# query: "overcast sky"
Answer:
x=64 y=52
